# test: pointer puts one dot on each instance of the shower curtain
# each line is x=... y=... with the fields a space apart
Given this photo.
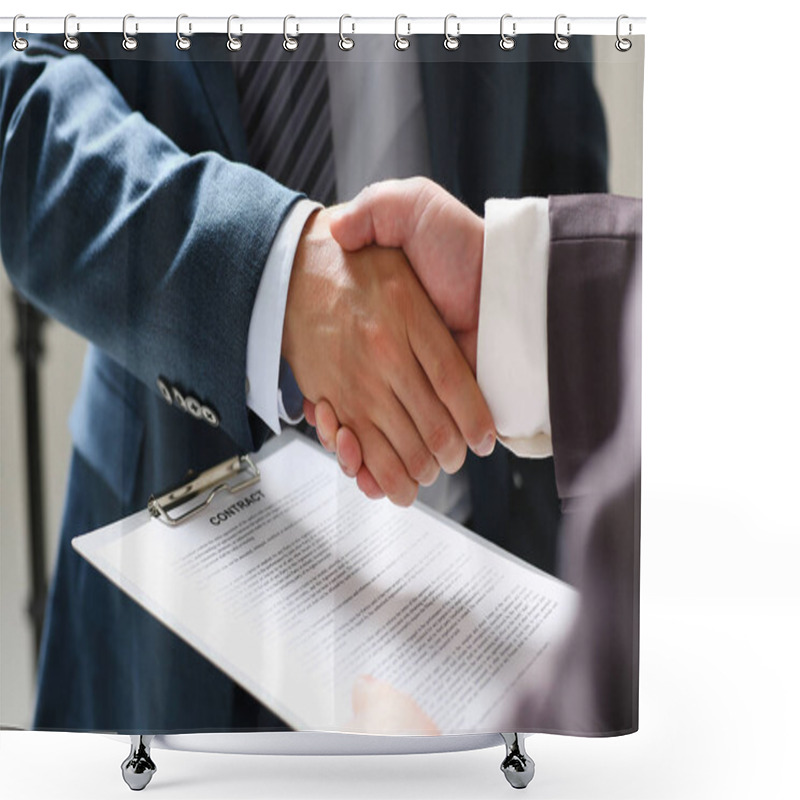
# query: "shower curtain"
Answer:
x=174 y=205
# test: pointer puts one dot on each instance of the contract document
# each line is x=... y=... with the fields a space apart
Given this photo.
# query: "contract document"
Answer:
x=299 y=585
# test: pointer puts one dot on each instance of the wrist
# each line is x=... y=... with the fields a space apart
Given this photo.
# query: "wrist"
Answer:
x=306 y=254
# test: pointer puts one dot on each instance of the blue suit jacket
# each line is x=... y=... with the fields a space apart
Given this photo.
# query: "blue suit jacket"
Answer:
x=127 y=212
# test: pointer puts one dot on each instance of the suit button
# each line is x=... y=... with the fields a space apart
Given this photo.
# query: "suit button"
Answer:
x=163 y=387
x=194 y=407
x=210 y=416
x=516 y=478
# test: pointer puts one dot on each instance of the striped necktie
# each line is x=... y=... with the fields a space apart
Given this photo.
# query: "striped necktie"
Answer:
x=285 y=109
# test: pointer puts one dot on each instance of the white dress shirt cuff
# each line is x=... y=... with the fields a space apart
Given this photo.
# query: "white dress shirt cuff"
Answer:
x=512 y=326
x=265 y=396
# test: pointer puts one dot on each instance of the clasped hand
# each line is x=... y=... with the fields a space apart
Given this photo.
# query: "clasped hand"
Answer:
x=385 y=354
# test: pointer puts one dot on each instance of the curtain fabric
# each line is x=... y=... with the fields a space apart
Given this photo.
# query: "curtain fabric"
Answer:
x=153 y=201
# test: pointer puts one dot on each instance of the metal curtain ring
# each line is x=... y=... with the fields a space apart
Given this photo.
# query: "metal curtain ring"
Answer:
x=19 y=44
x=400 y=42
x=345 y=42
x=623 y=45
x=289 y=42
x=233 y=44
x=507 y=42
x=71 y=43
x=451 y=42
x=560 y=42
x=129 y=42
x=182 y=42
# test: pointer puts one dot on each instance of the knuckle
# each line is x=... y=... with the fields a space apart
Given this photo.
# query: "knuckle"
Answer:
x=420 y=465
x=396 y=289
x=379 y=341
x=391 y=482
x=407 y=496
x=454 y=459
x=398 y=487
x=442 y=438
x=444 y=376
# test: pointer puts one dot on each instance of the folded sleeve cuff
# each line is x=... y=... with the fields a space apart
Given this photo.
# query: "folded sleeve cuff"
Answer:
x=512 y=327
x=272 y=392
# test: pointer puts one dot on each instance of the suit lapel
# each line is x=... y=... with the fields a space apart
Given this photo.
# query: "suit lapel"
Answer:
x=211 y=61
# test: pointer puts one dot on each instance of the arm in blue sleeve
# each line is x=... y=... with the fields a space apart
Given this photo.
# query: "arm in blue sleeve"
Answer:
x=150 y=253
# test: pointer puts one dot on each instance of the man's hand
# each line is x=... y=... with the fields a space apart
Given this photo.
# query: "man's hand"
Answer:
x=361 y=333
x=441 y=237
x=443 y=241
x=380 y=708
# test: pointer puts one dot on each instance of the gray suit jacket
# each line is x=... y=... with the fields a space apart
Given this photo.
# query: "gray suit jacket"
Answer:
x=594 y=349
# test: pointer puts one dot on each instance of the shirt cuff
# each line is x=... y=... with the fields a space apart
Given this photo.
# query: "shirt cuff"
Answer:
x=267 y=377
x=512 y=325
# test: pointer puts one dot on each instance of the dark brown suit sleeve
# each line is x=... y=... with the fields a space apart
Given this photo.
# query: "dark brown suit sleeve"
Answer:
x=594 y=251
x=594 y=355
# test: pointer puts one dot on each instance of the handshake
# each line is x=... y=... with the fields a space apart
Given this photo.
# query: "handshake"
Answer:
x=381 y=332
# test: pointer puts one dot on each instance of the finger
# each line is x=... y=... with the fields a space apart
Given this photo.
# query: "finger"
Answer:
x=451 y=378
x=385 y=465
x=327 y=425
x=361 y=693
x=348 y=451
x=393 y=419
x=368 y=484
x=467 y=342
x=308 y=412
x=437 y=428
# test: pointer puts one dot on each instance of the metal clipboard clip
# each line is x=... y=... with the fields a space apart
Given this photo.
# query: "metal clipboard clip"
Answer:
x=215 y=480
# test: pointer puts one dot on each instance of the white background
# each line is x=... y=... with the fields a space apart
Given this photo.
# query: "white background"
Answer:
x=720 y=532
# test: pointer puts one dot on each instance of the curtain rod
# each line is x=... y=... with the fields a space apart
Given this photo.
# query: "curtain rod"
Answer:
x=349 y=25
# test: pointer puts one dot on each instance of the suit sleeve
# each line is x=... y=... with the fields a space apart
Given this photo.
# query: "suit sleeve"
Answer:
x=150 y=253
x=595 y=250
x=555 y=278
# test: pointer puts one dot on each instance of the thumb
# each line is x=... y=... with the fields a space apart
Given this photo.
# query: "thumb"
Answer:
x=383 y=214
x=352 y=226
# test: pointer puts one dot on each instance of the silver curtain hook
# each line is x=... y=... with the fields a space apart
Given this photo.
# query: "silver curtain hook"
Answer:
x=507 y=42
x=560 y=42
x=623 y=45
x=289 y=42
x=345 y=42
x=400 y=42
x=451 y=42
x=129 y=42
x=181 y=41
x=19 y=44
x=233 y=44
x=71 y=43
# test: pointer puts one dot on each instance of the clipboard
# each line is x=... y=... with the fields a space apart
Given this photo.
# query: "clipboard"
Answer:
x=278 y=571
x=220 y=478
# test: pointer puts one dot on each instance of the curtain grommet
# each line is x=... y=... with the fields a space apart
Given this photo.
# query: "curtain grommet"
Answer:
x=129 y=43
x=622 y=44
x=71 y=43
x=345 y=42
x=507 y=42
x=451 y=42
x=233 y=44
x=181 y=41
x=290 y=43
x=19 y=44
x=561 y=43
x=401 y=42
